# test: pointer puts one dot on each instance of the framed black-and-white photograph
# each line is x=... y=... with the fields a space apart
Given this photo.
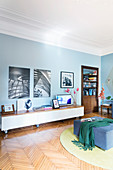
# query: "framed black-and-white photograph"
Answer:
x=55 y=104
x=67 y=79
x=42 y=83
x=19 y=83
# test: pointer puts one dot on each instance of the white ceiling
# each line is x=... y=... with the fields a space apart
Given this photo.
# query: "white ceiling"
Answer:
x=83 y=25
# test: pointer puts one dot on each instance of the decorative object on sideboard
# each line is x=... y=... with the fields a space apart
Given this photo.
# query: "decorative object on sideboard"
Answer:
x=19 y=83
x=8 y=108
x=55 y=104
x=73 y=95
x=28 y=104
x=42 y=83
x=66 y=79
x=23 y=105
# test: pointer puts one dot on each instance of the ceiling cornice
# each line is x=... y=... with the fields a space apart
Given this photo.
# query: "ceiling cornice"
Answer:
x=15 y=24
x=107 y=50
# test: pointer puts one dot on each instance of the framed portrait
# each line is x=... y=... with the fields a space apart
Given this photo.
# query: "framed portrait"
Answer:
x=8 y=108
x=55 y=104
x=66 y=79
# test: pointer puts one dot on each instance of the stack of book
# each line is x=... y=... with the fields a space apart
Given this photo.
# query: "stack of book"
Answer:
x=43 y=107
x=92 y=78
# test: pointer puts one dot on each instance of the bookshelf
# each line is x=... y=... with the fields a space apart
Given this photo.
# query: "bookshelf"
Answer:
x=89 y=88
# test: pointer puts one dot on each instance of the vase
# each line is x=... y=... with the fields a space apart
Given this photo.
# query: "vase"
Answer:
x=74 y=103
x=102 y=102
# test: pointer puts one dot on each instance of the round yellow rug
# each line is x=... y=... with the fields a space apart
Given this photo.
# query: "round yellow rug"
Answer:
x=97 y=157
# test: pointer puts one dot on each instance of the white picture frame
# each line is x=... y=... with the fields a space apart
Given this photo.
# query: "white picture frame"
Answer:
x=55 y=104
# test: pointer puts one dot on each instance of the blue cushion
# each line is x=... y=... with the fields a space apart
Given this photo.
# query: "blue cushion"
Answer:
x=103 y=135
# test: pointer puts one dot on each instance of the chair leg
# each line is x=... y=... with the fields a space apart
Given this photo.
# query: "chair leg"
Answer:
x=108 y=110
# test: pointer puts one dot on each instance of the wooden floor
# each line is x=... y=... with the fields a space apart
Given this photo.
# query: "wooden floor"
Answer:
x=34 y=148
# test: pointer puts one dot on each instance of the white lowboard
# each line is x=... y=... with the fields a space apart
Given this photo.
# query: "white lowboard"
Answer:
x=17 y=120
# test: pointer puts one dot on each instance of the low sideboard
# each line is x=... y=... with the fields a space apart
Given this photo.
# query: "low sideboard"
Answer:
x=29 y=118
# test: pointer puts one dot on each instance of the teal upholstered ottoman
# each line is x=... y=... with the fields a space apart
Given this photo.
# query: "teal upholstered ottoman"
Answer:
x=103 y=135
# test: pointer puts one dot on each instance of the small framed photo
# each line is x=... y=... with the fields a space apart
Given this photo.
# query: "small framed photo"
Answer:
x=55 y=104
x=8 y=108
x=67 y=79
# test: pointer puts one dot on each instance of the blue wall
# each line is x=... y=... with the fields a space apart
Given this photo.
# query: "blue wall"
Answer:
x=34 y=55
x=107 y=73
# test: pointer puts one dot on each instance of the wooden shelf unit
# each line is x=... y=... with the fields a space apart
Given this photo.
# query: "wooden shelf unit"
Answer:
x=89 y=88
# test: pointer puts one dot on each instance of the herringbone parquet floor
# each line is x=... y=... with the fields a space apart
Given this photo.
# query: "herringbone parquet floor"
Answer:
x=32 y=148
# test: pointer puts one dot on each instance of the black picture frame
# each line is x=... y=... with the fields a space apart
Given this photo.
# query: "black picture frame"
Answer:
x=66 y=79
x=55 y=104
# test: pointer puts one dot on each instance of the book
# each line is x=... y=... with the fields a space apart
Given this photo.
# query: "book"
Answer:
x=43 y=107
x=88 y=120
x=106 y=104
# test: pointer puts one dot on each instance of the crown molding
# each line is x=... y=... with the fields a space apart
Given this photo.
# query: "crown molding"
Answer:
x=15 y=24
x=107 y=50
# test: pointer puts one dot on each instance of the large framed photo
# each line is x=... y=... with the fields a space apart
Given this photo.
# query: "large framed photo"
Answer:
x=42 y=83
x=19 y=83
x=66 y=79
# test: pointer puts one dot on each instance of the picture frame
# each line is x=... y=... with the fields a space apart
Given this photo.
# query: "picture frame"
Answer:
x=42 y=83
x=66 y=79
x=8 y=108
x=55 y=104
x=18 y=82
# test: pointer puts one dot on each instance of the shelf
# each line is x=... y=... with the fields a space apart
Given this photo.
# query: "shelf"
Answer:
x=89 y=81
x=89 y=87
x=90 y=75
x=90 y=96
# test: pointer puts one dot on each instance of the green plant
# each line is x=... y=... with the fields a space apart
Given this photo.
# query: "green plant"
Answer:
x=109 y=98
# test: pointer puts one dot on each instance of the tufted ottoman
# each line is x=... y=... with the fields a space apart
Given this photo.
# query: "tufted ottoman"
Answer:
x=103 y=135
